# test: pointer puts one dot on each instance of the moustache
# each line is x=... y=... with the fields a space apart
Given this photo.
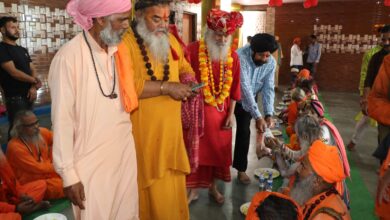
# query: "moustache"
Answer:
x=161 y=30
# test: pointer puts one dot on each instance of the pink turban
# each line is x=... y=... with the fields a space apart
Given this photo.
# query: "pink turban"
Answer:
x=83 y=11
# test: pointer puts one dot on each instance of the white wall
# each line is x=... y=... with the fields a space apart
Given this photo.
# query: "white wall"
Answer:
x=254 y=22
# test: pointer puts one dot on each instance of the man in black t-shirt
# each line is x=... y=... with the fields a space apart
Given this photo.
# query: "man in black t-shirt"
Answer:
x=17 y=76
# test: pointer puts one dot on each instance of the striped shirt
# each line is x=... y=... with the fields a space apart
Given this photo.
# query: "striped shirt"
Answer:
x=256 y=80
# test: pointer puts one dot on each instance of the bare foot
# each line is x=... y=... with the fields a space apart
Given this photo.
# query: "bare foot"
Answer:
x=243 y=178
x=193 y=195
x=218 y=197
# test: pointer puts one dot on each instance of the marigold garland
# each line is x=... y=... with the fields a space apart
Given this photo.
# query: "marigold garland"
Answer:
x=215 y=96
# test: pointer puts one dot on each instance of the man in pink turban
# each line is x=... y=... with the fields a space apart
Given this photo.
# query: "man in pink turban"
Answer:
x=92 y=94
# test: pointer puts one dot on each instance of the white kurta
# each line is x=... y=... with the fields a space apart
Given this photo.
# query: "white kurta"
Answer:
x=93 y=140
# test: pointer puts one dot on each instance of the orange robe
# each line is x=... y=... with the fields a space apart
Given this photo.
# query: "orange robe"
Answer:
x=378 y=99
x=259 y=197
x=7 y=212
x=28 y=168
x=11 y=189
x=292 y=116
x=332 y=201
x=382 y=210
x=293 y=145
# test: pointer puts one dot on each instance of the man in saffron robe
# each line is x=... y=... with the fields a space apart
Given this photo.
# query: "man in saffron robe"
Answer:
x=314 y=188
x=297 y=96
x=29 y=153
x=15 y=198
x=378 y=109
x=215 y=147
x=158 y=63
x=93 y=146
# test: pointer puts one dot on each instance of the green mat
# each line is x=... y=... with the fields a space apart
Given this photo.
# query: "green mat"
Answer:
x=362 y=203
x=57 y=206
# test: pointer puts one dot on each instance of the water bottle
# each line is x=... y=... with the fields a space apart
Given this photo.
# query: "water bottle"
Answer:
x=270 y=175
x=269 y=185
x=261 y=183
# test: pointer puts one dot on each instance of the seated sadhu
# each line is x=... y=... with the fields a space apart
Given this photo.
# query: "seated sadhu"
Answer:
x=314 y=188
x=308 y=132
x=17 y=199
x=330 y=134
x=298 y=95
x=273 y=206
x=29 y=153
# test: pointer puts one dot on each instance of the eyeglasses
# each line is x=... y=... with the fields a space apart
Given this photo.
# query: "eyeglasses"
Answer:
x=31 y=125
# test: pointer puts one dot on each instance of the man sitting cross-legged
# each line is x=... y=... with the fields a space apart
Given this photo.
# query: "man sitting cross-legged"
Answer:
x=29 y=153
x=15 y=198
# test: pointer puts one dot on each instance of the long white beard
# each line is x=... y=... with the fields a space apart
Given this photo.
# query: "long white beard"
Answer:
x=110 y=37
x=216 y=50
x=302 y=190
x=35 y=139
x=159 y=46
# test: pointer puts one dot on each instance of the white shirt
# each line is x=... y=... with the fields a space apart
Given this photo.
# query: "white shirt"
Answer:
x=296 y=56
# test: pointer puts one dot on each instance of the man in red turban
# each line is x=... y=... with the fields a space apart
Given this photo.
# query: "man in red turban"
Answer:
x=218 y=67
x=316 y=179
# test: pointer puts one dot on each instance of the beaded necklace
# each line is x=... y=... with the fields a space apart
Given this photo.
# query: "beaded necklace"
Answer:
x=112 y=95
x=318 y=201
x=146 y=59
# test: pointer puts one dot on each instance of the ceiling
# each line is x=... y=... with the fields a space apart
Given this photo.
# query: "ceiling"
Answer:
x=265 y=2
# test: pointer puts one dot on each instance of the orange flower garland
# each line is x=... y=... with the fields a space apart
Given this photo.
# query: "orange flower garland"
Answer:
x=214 y=96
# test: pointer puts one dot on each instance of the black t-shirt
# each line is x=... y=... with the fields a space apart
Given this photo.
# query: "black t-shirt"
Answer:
x=373 y=67
x=19 y=55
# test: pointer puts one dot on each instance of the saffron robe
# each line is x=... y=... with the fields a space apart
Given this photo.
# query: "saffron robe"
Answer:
x=27 y=167
x=161 y=154
x=333 y=201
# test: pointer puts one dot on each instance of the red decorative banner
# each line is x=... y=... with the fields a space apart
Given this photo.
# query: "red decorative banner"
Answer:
x=273 y=3
x=310 y=3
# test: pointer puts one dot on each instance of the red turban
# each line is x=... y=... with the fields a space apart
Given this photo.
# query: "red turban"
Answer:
x=218 y=20
x=326 y=162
